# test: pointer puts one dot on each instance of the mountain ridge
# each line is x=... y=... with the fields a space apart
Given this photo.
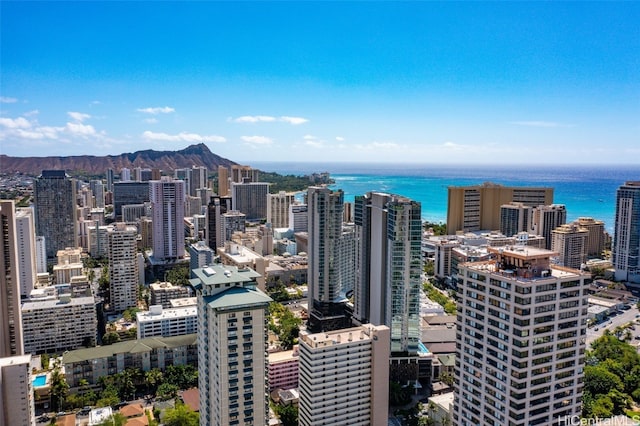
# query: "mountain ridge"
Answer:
x=193 y=155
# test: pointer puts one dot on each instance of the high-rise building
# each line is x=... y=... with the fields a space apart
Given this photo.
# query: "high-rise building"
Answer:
x=110 y=178
x=54 y=199
x=547 y=218
x=626 y=239
x=125 y=175
x=123 y=266
x=520 y=340
x=388 y=266
x=167 y=197
x=569 y=241
x=17 y=406
x=250 y=198
x=11 y=342
x=41 y=255
x=298 y=218
x=595 y=237
x=344 y=377
x=217 y=207
x=244 y=174
x=514 y=218
x=223 y=182
x=232 y=221
x=200 y=255
x=199 y=178
x=477 y=207
x=26 y=240
x=326 y=297
x=127 y=193
x=97 y=189
x=232 y=341
x=278 y=208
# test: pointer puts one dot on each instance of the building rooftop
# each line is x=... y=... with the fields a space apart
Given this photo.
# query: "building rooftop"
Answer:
x=128 y=346
x=236 y=298
x=282 y=356
x=219 y=274
x=183 y=301
x=336 y=337
x=36 y=304
x=160 y=314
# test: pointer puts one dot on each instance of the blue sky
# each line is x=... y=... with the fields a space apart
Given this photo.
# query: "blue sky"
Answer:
x=428 y=82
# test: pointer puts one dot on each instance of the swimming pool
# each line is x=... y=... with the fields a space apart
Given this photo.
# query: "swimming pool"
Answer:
x=40 y=380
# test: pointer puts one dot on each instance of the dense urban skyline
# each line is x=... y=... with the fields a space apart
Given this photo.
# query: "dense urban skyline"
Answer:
x=314 y=81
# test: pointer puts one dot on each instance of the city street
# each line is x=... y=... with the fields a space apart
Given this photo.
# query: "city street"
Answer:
x=610 y=324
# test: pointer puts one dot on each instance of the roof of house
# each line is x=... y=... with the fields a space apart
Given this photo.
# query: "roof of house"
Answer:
x=191 y=397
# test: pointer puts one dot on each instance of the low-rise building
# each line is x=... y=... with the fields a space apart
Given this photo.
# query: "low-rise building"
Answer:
x=155 y=352
x=163 y=292
x=283 y=369
x=167 y=322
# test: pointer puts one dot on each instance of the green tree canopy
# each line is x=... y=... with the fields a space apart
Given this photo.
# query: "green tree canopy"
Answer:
x=181 y=415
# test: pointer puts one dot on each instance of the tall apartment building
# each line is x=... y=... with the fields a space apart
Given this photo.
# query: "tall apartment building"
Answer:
x=298 y=218
x=17 y=406
x=126 y=193
x=98 y=190
x=199 y=178
x=232 y=342
x=232 y=221
x=164 y=293
x=278 y=208
x=250 y=198
x=11 y=342
x=185 y=176
x=123 y=266
x=514 y=218
x=388 y=266
x=41 y=254
x=200 y=255
x=125 y=174
x=192 y=206
x=569 y=241
x=520 y=340
x=477 y=207
x=223 y=181
x=326 y=296
x=595 y=237
x=240 y=174
x=110 y=178
x=26 y=241
x=167 y=197
x=132 y=213
x=58 y=325
x=344 y=377
x=54 y=200
x=217 y=207
x=546 y=218
x=626 y=241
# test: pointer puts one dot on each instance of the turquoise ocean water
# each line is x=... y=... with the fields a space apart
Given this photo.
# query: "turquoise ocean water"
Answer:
x=585 y=190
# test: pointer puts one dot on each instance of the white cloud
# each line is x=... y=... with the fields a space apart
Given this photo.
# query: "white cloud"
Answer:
x=181 y=137
x=546 y=124
x=268 y=119
x=452 y=145
x=259 y=140
x=32 y=113
x=6 y=100
x=78 y=116
x=293 y=120
x=314 y=144
x=309 y=137
x=79 y=129
x=339 y=138
x=95 y=102
x=151 y=120
x=254 y=119
x=378 y=146
x=156 y=110
x=15 y=123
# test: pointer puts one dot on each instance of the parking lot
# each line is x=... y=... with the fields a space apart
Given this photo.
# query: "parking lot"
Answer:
x=630 y=315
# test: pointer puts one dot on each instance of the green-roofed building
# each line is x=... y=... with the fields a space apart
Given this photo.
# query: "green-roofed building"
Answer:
x=232 y=342
x=154 y=352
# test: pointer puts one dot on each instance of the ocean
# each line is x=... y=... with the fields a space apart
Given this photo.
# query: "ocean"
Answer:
x=587 y=191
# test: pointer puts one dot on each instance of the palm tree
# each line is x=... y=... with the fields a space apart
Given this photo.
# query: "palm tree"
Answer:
x=153 y=378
